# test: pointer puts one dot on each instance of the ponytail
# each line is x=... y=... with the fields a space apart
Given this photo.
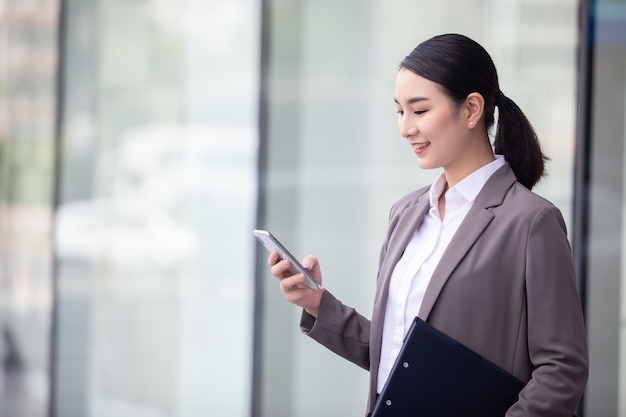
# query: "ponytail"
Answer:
x=461 y=66
x=517 y=141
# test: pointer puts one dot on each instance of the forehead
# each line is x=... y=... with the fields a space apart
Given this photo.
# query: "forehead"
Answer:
x=410 y=85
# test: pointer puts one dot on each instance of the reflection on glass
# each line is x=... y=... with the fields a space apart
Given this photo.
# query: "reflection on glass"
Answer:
x=158 y=201
x=27 y=79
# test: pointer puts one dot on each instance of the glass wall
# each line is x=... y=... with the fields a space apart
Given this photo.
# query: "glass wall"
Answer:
x=336 y=162
x=28 y=56
x=606 y=299
x=150 y=248
x=157 y=202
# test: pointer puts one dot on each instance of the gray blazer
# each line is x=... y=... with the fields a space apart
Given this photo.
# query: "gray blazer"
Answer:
x=505 y=288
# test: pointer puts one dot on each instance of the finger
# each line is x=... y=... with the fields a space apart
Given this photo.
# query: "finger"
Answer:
x=304 y=297
x=292 y=283
x=280 y=269
x=273 y=258
x=310 y=262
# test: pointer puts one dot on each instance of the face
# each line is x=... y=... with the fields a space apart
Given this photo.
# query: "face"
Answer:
x=430 y=122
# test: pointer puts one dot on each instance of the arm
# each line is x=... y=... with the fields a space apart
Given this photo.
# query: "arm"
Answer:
x=339 y=328
x=324 y=318
x=557 y=341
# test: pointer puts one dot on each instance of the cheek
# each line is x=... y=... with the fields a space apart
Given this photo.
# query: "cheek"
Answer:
x=437 y=125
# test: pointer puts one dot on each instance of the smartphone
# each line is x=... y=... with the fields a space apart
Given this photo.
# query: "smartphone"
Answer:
x=272 y=244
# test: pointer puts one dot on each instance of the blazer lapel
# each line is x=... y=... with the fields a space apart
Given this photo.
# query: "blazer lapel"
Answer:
x=475 y=222
x=410 y=218
x=403 y=232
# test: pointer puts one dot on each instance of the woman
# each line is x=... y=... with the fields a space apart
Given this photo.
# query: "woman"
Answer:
x=476 y=254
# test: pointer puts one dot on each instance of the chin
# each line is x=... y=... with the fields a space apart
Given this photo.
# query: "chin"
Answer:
x=425 y=164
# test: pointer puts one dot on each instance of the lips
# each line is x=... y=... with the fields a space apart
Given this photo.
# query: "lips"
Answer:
x=419 y=147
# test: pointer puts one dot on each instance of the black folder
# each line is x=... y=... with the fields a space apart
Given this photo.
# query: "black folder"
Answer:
x=436 y=376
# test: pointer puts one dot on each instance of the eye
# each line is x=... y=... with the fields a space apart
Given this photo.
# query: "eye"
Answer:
x=399 y=112
x=418 y=112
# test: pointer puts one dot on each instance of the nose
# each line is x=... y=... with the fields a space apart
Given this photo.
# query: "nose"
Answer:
x=406 y=127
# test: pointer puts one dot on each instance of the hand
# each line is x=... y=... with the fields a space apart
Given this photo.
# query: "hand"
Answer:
x=292 y=286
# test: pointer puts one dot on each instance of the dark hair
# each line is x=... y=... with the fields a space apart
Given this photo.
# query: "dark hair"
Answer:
x=461 y=66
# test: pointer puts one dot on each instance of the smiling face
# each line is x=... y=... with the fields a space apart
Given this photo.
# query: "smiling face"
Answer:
x=438 y=131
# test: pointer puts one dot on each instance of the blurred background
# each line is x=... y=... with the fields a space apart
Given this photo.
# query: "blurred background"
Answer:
x=141 y=141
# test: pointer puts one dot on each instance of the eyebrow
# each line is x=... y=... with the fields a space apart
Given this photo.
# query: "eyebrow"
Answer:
x=413 y=100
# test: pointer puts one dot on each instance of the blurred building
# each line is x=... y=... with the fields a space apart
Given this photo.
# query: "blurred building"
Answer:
x=141 y=141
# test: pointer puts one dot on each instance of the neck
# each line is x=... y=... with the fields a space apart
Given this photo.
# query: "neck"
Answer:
x=471 y=162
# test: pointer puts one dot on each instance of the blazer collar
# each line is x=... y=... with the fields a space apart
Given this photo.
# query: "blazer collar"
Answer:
x=476 y=220
x=410 y=218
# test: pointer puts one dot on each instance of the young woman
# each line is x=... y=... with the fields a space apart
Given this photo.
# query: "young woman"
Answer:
x=476 y=254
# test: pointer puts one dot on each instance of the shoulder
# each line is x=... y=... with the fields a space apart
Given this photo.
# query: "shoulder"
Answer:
x=525 y=200
x=506 y=196
x=520 y=194
x=515 y=207
x=521 y=205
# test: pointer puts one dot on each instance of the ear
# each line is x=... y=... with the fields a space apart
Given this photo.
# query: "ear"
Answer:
x=474 y=106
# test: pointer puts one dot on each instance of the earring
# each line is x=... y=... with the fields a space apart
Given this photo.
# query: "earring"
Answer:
x=471 y=123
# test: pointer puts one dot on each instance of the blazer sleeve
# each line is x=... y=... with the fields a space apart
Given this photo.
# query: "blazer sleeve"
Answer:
x=557 y=343
x=339 y=328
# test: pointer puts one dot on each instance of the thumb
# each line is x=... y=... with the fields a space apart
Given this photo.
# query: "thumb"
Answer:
x=310 y=262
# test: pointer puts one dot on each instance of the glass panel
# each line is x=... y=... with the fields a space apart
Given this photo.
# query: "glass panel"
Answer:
x=606 y=320
x=621 y=347
x=27 y=109
x=158 y=203
x=336 y=162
